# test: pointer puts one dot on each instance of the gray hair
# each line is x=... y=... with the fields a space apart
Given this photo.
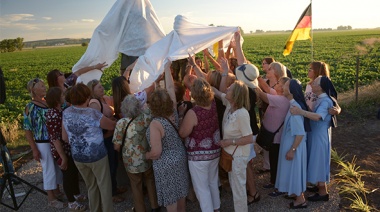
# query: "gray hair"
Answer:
x=130 y=107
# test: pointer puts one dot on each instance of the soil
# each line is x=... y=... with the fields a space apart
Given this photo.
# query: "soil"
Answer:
x=358 y=137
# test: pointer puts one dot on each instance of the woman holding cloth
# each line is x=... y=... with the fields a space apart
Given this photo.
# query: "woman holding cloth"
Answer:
x=237 y=137
x=200 y=129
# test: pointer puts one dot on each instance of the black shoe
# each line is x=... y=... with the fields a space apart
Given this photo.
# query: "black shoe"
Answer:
x=316 y=197
x=276 y=194
x=299 y=206
x=312 y=189
x=156 y=209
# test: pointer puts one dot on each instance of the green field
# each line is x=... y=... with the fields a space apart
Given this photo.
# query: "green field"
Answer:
x=337 y=48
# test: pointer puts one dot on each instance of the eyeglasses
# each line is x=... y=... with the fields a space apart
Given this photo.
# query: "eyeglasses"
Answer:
x=35 y=81
x=264 y=63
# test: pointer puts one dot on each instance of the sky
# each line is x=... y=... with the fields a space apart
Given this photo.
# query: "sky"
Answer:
x=51 y=19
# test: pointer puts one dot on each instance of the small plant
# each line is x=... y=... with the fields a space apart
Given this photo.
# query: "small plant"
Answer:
x=350 y=182
x=358 y=204
x=351 y=170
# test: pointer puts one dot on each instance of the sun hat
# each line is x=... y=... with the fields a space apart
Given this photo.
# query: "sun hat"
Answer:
x=248 y=74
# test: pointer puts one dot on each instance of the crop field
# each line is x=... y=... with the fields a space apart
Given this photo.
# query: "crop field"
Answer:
x=337 y=48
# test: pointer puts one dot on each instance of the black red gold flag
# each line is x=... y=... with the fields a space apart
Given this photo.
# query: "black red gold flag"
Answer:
x=301 y=31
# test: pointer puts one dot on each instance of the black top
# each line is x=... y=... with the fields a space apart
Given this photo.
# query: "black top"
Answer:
x=252 y=111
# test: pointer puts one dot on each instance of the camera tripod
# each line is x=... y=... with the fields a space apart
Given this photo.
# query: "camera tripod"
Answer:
x=7 y=185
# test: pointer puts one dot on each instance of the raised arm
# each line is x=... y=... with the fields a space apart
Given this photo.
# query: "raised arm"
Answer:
x=231 y=46
x=263 y=96
x=220 y=50
x=239 y=50
x=213 y=61
x=225 y=68
x=169 y=84
x=84 y=70
x=205 y=61
x=197 y=69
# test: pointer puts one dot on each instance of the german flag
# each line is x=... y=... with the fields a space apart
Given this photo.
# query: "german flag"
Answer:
x=301 y=31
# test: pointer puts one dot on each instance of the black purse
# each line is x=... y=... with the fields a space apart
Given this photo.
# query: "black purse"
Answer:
x=265 y=138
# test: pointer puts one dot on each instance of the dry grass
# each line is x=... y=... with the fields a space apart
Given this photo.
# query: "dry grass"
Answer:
x=366 y=93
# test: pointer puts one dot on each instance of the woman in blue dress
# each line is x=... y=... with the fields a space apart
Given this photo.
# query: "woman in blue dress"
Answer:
x=291 y=170
x=319 y=139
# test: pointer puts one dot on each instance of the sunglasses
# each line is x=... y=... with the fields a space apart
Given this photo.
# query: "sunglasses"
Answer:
x=35 y=81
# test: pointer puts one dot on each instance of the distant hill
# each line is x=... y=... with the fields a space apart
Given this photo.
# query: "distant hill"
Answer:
x=55 y=42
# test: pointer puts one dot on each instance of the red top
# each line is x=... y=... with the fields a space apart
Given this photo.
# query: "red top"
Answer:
x=202 y=142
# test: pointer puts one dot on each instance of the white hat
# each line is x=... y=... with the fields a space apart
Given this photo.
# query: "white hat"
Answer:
x=248 y=74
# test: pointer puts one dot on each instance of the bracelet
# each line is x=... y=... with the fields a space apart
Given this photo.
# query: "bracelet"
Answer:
x=220 y=49
x=224 y=75
x=233 y=142
x=94 y=67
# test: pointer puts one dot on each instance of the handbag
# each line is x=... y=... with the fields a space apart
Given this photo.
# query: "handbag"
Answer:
x=225 y=161
x=265 y=138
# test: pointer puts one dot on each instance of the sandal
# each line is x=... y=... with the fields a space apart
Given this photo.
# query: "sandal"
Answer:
x=75 y=206
x=299 y=206
x=57 y=204
x=81 y=197
x=255 y=197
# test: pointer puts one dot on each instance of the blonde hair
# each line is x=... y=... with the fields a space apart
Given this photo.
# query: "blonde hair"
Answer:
x=279 y=69
x=214 y=78
x=31 y=85
x=201 y=92
x=240 y=95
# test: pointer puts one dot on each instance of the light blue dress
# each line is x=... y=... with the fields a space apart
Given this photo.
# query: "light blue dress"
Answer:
x=291 y=174
x=319 y=142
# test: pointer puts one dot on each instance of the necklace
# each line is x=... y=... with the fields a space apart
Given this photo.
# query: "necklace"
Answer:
x=42 y=103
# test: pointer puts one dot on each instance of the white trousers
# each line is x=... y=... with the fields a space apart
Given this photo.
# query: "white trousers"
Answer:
x=238 y=179
x=51 y=173
x=204 y=176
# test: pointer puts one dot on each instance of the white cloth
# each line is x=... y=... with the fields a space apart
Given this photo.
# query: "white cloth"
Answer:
x=186 y=38
x=238 y=180
x=51 y=173
x=130 y=27
x=204 y=176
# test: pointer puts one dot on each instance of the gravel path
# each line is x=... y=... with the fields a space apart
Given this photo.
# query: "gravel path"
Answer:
x=36 y=201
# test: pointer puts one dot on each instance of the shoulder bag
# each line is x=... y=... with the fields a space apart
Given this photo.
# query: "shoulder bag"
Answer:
x=265 y=138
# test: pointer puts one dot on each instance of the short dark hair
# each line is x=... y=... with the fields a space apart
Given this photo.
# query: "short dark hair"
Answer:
x=79 y=94
x=53 y=96
x=160 y=103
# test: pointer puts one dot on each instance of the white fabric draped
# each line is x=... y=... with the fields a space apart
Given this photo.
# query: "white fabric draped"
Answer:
x=130 y=27
x=186 y=38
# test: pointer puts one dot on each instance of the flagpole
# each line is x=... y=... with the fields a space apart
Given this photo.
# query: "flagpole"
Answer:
x=312 y=32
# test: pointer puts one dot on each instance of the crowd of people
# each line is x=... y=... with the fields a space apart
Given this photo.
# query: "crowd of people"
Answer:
x=170 y=138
